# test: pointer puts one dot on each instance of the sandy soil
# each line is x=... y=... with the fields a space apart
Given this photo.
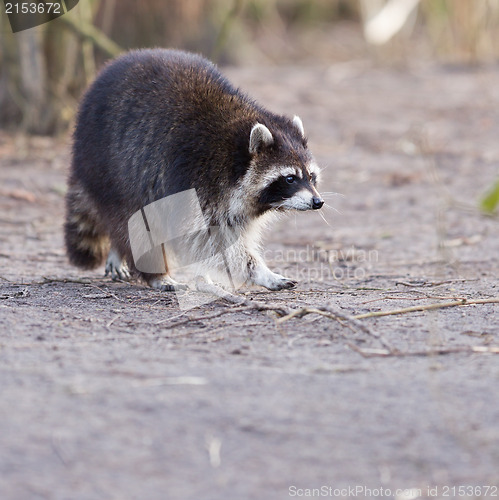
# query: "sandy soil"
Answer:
x=102 y=398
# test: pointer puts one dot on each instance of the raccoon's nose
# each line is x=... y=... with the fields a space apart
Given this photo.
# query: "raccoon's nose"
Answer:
x=317 y=203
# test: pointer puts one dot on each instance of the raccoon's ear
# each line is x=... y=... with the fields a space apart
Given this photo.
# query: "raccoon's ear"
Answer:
x=260 y=136
x=299 y=125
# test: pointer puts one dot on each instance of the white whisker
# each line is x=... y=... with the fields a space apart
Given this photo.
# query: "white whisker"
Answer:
x=332 y=208
x=332 y=193
x=323 y=218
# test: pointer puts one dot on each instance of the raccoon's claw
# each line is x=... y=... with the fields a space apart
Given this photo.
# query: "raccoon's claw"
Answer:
x=288 y=284
x=273 y=281
x=117 y=267
x=171 y=288
x=167 y=284
x=118 y=273
x=284 y=284
x=165 y=288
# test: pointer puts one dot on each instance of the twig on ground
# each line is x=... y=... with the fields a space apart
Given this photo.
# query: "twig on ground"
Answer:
x=289 y=313
x=83 y=281
x=16 y=295
x=427 y=307
x=58 y=451
x=241 y=301
x=97 y=296
x=423 y=297
x=106 y=293
x=371 y=353
x=192 y=319
x=286 y=313
x=429 y=284
x=109 y=323
x=343 y=319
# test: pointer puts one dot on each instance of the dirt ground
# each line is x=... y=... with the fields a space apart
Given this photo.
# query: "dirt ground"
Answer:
x=103 y=398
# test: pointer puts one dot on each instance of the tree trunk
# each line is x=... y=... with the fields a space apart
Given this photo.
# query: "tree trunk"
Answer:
x=37 y=109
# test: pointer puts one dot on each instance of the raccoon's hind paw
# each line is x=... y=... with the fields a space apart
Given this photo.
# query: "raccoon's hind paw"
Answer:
x=167 y=284
x=117 y=267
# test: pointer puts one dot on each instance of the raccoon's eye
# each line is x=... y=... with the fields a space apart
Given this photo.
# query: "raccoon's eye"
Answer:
x=290 y=179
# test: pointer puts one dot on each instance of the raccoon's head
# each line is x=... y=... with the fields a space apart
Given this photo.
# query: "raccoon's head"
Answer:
x=284 y=171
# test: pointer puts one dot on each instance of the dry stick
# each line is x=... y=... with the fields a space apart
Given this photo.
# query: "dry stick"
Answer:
x=431 y=284
x=202 y=318
x=424 y=297
x=428 y=307
x=345 y=320
x=97 y=296
x=288 y=313
x=109 y=323
x=341 y=318
x=83 y=281
x=439 y=351
x=240 y=301
x=106 y=292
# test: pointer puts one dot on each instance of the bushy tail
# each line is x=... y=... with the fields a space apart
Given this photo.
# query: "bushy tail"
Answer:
x=87 y=243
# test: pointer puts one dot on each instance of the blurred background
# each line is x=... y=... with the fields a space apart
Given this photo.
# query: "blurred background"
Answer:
x=44 y=70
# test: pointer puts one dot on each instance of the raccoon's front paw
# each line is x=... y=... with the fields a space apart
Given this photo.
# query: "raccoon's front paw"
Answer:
x=117 y=267
x=273 y=281
x=283 y=283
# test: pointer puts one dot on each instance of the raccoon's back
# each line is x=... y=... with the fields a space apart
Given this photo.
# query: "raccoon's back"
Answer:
x=153 y=123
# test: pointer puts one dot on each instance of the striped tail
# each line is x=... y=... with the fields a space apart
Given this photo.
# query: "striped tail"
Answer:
x=87 y=243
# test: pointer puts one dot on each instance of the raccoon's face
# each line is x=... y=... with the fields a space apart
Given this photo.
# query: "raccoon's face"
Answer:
x=288 y=175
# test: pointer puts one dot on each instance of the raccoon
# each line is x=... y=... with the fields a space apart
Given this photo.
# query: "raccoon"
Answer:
x=157 y=122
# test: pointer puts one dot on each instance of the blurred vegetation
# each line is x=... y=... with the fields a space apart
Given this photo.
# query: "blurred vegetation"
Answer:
x=43 y=71
x=491 y=200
